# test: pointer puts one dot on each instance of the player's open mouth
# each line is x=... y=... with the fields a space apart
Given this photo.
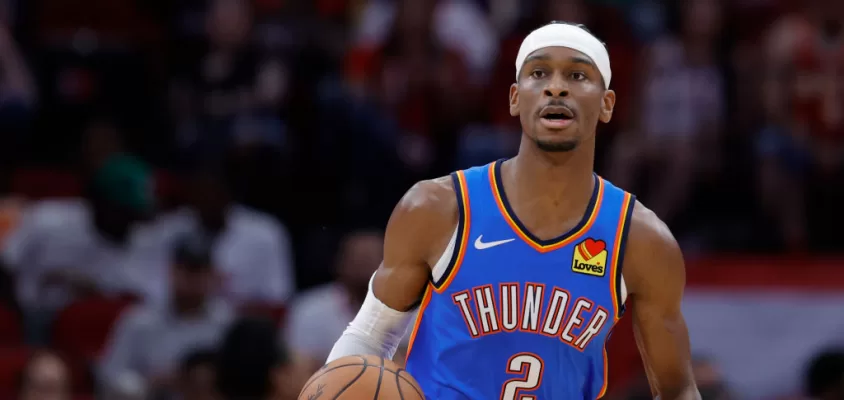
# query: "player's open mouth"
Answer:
x=556 y=117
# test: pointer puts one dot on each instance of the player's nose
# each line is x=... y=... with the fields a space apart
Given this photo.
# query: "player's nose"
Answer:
x=557 y=87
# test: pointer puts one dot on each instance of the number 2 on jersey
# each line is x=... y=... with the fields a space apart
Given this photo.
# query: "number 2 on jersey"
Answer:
x=530 y=368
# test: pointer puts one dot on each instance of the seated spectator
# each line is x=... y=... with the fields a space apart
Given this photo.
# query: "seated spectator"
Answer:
x=319 y=316
x=682 y=114
x=458 y=25
x=419 y=79
x=64 y=248
x=251 y=250
x=253 y=364
x=150 y=340
x=197 y=378
x=228 y=93
x=803 y=51
x=783 y=160
x=45 y=377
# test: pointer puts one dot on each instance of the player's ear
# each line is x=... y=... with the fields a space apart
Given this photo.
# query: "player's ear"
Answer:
x=514 y=99
x=607 y=106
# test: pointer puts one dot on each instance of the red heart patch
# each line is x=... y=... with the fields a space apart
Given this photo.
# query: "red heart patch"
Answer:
x=591 y=247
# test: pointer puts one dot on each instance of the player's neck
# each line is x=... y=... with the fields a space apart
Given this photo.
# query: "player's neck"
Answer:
x=563 y=166
x=558 y=174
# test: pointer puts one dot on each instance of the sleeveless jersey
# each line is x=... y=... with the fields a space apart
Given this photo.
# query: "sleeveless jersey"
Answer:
x=515 y=317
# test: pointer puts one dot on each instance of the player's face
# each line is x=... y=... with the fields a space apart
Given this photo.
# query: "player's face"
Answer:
x=559 y=98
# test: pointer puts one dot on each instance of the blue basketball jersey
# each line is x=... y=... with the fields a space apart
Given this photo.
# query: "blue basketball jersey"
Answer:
x=515 y=317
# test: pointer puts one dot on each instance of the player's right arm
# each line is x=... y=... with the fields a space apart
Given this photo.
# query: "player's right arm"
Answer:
x=416 y=236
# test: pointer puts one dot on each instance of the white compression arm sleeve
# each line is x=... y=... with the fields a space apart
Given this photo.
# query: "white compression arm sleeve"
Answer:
x=376 y=330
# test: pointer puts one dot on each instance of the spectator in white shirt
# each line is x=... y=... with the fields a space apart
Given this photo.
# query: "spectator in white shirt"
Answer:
x=150 y=341
x=62 y=249
x=320 y=315
x=251 y=250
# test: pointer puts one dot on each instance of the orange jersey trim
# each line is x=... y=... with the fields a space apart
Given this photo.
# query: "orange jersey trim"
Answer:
x=606 y=384
x=628 y=203
x=617 y=256
x=457 y=259
x=463 y=228
x=426 y=299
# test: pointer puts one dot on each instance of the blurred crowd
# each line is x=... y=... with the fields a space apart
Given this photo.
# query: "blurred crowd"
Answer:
x=194 y=191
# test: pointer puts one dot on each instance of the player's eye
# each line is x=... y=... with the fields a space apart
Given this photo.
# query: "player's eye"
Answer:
x=578 y=76
x=537 y=74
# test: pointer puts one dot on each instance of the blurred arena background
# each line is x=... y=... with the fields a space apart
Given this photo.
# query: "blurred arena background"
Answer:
x=194 y=192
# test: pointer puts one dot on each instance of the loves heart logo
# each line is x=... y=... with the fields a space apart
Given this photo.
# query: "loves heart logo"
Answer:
x=590 y=257
x=590 y=248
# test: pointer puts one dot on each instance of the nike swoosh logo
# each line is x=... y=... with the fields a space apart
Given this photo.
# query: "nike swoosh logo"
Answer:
x=480 y=245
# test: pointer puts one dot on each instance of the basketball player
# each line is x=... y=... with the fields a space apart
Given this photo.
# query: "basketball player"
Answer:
x=520 y=268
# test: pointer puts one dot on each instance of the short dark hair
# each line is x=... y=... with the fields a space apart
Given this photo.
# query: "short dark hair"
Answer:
x=825 y=372
x=251 y=349
x=193 y=252
x=198 y=358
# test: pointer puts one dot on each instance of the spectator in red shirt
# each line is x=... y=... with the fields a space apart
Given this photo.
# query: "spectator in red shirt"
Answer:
x=805 y=52
x=418 y=80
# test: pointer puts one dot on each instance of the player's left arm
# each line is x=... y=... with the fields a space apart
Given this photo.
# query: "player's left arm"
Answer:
x=655 y=275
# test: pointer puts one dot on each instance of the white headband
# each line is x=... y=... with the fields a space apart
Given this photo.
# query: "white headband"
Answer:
x=566 y=35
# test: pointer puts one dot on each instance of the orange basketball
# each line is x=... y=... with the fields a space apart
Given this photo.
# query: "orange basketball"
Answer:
x=361 y=377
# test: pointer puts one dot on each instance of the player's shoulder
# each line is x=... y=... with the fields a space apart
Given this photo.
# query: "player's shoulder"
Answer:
x=432 y=198
x=646 y=228
x=651 y=250
x=424 y=219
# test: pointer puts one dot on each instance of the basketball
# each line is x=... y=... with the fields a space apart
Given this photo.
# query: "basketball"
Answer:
x=361 y=377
